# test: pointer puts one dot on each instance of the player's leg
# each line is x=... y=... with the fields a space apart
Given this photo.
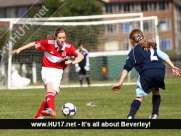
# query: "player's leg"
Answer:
x=42 y=107
x=156 y=100
x=158 y=82
x=81 y=79
x=46 y=104
x=137 y=101
x=134 y=107
x=51 y=78
x=55 y=86
x=81 y=72
x=50 y=95
x=87 y=77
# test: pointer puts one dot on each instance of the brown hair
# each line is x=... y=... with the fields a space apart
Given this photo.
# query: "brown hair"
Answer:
x=138 y=38
x=80 y=43
x=59 y=30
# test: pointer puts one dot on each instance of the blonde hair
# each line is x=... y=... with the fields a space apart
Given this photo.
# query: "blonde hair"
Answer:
x=137 y=37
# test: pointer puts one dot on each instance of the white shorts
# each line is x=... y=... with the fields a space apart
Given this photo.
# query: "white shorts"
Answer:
x=52 y=75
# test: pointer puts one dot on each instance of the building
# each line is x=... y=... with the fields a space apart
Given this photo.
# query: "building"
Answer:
x=17 y=8
x=167 y=11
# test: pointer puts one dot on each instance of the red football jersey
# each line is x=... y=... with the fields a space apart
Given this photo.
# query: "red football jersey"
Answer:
x=53 y=56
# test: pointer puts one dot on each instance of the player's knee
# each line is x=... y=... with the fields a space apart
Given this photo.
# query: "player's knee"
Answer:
x=49 y=87
x=155 y=92
x=55 y=92
x=139 y=99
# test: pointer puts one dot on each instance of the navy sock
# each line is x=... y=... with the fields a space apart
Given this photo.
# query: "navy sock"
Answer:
x=156 y=100
x=134 y=108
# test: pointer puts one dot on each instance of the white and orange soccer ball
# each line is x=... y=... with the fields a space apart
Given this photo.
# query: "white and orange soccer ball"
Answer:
x=69 y=110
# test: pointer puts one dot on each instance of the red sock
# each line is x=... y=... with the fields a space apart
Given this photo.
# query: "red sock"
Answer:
x=42 y=107
x=50 y=100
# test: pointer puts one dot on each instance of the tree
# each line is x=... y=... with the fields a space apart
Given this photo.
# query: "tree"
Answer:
x=73 y=7
x=64 y=8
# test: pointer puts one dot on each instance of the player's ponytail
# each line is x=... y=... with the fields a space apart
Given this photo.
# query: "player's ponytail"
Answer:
x=147 y=45
x=50 y=37
x=137 y=38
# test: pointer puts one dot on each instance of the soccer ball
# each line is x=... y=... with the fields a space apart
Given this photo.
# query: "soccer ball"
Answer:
x=69 y=110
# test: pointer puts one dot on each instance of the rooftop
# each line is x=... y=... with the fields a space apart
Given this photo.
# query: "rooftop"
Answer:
x=18 y=3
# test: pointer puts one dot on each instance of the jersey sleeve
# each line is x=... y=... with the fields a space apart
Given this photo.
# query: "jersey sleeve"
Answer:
x=162 y=54
x=129 y=61
x=73 y=51
x=41 y=45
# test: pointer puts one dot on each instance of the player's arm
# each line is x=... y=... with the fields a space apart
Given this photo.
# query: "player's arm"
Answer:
x=78 y=56
x=120 y=83
x=78 y=59
x=17 y=51
x=175 y=70
x=162 y=54
x=127 y=67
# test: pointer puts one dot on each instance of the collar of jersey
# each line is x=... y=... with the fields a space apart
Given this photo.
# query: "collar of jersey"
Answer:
x=57 y=47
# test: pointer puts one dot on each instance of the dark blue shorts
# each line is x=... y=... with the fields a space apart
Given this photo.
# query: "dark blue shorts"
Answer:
x=152 y=79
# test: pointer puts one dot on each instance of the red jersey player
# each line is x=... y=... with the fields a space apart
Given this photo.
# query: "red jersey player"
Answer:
x=56 y=57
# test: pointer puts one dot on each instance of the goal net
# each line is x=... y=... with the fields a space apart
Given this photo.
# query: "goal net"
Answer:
x=105 y=38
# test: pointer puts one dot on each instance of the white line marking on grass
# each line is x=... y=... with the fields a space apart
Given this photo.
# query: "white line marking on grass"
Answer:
x=90 y=104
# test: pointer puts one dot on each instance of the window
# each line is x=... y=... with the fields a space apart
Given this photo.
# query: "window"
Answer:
x=155 y=6
x=165 y=44
x=110 y=29
x=128 y=7
x=126 y=45
x=147 y=25
x=179 y=26
x=127 y=27
x=21 y=12
x=121 y=8
x=145 y=6
x=137 y=7
x=11 y=13
x=2 y=14
x=110 y=8
x=164 y=24
x=163 y=5
x=113 y=8
x=178 y=11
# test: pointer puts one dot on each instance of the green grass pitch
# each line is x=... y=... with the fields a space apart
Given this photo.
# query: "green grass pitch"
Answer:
x=23 y=104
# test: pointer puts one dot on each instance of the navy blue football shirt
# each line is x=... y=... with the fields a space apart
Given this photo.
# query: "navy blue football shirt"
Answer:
x=142 y=59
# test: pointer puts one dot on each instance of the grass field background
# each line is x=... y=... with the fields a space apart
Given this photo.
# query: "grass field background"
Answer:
x=23 y=104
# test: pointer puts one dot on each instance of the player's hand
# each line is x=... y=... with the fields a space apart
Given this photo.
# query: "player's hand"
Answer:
x=176 y=71
x=68 y=62
x=17 y=51
x=116 y=87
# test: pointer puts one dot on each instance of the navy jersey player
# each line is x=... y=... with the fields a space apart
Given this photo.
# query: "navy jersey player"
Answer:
x=82 y=68
x=147 y=60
